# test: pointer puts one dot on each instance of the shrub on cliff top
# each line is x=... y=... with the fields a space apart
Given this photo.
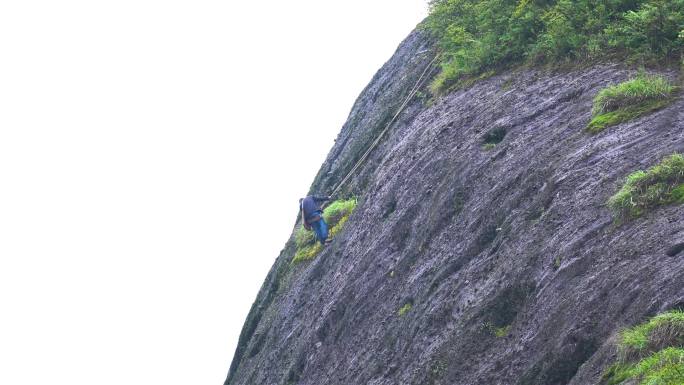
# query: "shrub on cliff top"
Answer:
x=336 y=216
x=660 y=185
x=477 y=36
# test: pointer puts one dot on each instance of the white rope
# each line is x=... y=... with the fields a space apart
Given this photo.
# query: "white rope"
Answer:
x=377 y=140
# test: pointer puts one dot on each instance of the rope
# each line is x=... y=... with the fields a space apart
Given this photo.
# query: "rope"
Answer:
x=410 y=96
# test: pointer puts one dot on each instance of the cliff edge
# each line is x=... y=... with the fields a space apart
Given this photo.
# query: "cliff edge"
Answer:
x=481 y=250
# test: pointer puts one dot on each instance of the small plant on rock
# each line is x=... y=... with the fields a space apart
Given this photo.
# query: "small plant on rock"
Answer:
x=629 y=100
x=660 y=185
x=404 y=309
x=640 y=89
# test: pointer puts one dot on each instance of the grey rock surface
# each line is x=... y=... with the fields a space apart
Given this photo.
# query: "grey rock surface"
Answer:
x=509 y=257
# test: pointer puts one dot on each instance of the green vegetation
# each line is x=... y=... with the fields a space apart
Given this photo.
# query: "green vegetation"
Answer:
x=678 y=194
x=404 y=309
x=498 y=332
x=502 y=331
x=662 y=184
x=663 y=330
x=629 y=100
x=336 y=216
x=651 y=353
x=640 y=89
x=613 y=118
x=476 y=37
x=488 y=146
x=665 y=367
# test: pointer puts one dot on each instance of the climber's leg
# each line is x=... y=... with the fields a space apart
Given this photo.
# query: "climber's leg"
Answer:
x=321 y=230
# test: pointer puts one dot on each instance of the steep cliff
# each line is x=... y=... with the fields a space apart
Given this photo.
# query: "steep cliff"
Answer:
x=482 y=216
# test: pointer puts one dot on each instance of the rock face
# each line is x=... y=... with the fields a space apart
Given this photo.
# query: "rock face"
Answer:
x=508 y=257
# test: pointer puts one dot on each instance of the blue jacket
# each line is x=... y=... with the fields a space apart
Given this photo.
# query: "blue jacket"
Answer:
x=311 y=206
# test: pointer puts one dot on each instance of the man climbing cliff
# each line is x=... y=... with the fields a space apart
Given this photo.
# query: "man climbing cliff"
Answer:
x=312 y=216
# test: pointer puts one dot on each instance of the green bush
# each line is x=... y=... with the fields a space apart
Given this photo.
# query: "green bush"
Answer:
x=633 y=92
x=335 y=215
x=662 y=184
x=651 y=353
x=651 y=30
x=477 y=36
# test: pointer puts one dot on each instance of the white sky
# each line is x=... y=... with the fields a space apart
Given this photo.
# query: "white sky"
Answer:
x=151 y=158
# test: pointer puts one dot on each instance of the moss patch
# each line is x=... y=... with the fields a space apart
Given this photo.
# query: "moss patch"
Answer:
x=404 y=309
x=336 y=216
x=602 y=121
x=662 y=184
x=498 y=332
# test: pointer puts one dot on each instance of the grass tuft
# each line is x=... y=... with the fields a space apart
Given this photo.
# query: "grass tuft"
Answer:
x=304 y=238
x=665 y=367
x=336 y=216
x=666 y=329
x=602 y=121
x=650 y=353
x=337 y=210
x=502 y=331
x=659 y=185
x=629 y=100
x=632 y=92
x=615 y=374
